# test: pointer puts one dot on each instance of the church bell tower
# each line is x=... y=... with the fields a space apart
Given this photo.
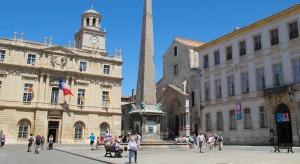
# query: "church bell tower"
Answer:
x=90 y=36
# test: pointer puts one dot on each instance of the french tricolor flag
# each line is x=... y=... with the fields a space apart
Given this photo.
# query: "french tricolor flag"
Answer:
x=62 y=86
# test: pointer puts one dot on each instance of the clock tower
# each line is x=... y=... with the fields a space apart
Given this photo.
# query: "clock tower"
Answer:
x=90 y=36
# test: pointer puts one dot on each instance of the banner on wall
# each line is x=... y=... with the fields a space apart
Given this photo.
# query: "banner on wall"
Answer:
x=282 y=117
x=238 y=111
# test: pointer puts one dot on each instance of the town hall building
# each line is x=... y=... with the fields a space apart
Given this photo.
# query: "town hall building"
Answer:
x=30 y=98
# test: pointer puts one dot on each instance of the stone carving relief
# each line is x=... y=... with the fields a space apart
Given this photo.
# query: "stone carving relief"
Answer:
x=58 y=61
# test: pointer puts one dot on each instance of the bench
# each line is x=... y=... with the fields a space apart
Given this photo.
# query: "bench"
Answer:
x=110 y=149
x=289 y=147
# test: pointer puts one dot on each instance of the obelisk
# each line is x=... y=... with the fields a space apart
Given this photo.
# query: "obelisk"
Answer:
x=146 y=89
x=146 y=114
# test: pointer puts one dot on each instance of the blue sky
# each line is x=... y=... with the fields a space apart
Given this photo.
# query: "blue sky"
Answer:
x=201 y=20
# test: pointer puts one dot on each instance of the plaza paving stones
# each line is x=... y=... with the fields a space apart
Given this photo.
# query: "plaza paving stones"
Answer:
x=73 y=154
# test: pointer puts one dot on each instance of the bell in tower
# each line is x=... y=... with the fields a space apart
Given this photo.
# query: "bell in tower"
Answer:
x=90 y=36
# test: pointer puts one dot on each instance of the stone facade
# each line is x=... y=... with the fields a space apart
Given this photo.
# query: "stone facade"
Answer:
x=256 y=68
x=239 y=82
x=178 y=91
x=30 y=101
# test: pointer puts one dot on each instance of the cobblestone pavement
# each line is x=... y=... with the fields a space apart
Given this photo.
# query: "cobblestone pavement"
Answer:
x=73 y=154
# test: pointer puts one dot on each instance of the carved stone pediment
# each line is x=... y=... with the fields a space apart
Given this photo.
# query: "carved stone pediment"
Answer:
x=59 y=49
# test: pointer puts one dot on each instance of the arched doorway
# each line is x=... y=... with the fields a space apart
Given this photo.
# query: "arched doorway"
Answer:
x=174 y=118
x=283 y=124
x=104 y=128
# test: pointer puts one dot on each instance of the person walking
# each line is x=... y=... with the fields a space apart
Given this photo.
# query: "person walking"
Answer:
x=92 y=140
x=2 y=140
x=30 y=142
x=195 y=140
x=220 y=141
x=50 y=142
x=132 y=148
x=38 y=142
x=42 y=142
x=201 y=140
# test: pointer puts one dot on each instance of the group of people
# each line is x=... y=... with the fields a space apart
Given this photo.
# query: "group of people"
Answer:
x=202 y=141
x=39 y=141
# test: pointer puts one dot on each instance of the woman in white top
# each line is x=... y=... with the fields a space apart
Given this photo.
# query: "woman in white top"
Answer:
x=132 y=148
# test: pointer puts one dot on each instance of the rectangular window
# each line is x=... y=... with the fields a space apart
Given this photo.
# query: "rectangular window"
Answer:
x=245 y=82
x=193 y=98
x=106 y=69
x=205 y=60
x=229 y=53
x=31 y=59
x=296 y=70
x=219 y=121
x=175 y=70
x=208 y=122
x=2 y=55
x=27 y=95
x=260 y=78
x=81 y=97
x=105 y=97
x=263 y=117
x=274 y=36
x=82 y=66
x=0 y=86
x=277 y=75
x=293 y=30
x=243 y=50
x=230 y=85
x=232 y=120
x=247 y=120
x=217 y=57
x=218 y=88
x=207 y=91
x=54 y=95
x=257 y=42
x=175 y=51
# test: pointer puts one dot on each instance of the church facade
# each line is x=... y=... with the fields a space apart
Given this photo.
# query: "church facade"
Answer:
x=178 y=90
x=31 y=101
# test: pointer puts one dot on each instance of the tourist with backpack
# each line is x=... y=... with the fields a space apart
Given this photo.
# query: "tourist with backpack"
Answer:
x=38 y=142
x=30 y=142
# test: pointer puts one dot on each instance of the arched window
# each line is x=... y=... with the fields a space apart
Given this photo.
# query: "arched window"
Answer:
x=103 y=128
x=87 y=21
x=79 y=126
x=94 y=22
x=23 y=128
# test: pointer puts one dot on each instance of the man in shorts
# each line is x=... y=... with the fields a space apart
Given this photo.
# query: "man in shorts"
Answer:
x=92 y=140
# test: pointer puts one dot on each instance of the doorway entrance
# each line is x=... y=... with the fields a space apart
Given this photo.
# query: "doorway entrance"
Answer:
x=53 y=130
x=283 y=124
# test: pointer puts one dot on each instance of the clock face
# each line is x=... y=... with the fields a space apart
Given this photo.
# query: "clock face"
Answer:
x=94 y=39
